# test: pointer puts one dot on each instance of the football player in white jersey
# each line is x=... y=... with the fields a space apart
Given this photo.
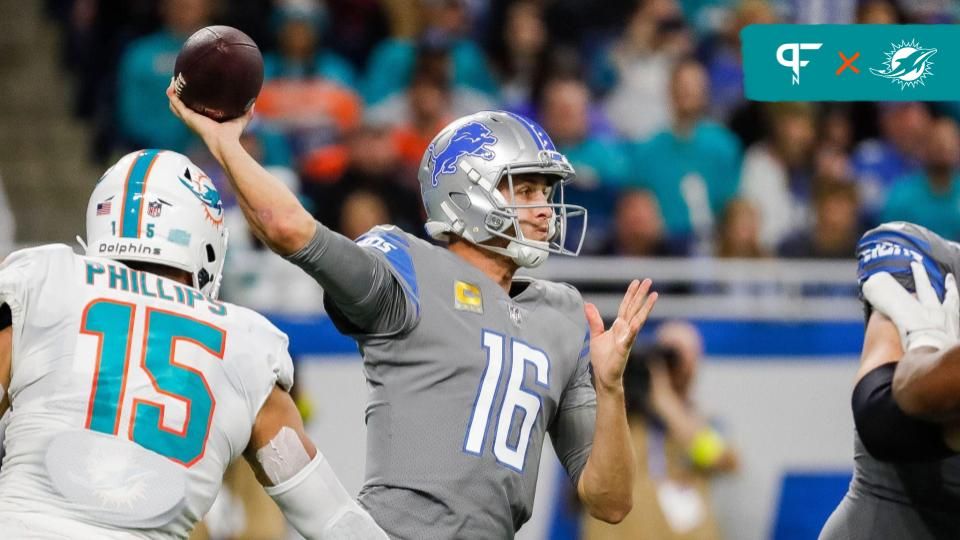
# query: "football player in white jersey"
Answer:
x=130 y=388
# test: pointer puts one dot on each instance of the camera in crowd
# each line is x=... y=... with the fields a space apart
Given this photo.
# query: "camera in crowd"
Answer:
x=636 y=378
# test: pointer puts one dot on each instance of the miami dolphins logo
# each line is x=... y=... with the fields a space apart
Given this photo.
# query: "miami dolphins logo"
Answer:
x=469 y=139
x=907 y=64
x=204 y=190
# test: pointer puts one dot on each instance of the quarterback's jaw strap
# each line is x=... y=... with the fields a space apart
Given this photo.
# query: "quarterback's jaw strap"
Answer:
x=318 y=506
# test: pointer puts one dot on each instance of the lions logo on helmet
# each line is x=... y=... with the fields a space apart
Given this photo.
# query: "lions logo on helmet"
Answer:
x=186 y=232
x=470 y=139
x=482 y=151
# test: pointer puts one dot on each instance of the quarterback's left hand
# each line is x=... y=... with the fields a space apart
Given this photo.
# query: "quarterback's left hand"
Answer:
x=609 y=349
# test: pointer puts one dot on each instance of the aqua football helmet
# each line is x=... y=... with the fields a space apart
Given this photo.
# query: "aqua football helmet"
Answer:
x=156 y=206
x=464 y=166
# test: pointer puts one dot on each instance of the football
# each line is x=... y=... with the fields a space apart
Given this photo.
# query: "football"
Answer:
x=219 y=72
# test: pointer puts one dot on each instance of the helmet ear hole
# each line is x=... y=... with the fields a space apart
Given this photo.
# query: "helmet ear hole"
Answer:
x=203 y=277
x=461 y=200
x=211 y=254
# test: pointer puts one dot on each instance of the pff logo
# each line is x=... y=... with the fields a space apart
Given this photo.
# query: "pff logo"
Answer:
x=794 y=62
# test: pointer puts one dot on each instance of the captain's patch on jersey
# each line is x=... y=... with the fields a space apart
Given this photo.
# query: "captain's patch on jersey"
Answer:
x=466 y=297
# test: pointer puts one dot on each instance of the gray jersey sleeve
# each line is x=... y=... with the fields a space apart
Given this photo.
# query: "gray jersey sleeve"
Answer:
x=572 y=429
x=364 y=290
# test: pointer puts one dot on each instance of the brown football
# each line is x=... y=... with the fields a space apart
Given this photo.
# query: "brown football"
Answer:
x=219 y=72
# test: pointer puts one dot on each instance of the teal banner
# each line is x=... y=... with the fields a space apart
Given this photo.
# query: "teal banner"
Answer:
x=851 y=62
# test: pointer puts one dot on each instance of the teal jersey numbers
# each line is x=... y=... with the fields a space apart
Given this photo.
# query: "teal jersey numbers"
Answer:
x=113 y=322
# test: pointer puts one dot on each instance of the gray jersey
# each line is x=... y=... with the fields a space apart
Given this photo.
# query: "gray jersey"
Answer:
x=897 y=501
x=901 y=500
x=465 y=381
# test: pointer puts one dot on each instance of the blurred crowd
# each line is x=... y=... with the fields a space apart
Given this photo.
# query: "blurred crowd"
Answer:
x=645 y=97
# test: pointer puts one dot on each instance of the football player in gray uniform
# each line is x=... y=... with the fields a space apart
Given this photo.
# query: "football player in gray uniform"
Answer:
x=906 y=398
x=469 y=367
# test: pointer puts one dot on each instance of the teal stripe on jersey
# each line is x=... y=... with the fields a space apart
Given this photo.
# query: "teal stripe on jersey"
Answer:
x=133 y=194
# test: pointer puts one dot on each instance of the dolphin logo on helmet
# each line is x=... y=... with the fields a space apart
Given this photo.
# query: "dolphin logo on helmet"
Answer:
x=205 y=192
x=470 y=139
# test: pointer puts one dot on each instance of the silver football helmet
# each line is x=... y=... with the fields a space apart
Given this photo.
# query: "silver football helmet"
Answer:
x=462 y=169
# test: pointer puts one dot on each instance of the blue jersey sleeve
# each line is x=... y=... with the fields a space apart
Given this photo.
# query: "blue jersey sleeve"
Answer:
x=370 y=287
x=394 y=247
x=392 y=304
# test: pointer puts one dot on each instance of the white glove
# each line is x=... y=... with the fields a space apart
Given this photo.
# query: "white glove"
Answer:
x=922 y=320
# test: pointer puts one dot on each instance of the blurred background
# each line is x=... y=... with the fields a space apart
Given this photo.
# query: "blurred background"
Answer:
x=745 y=214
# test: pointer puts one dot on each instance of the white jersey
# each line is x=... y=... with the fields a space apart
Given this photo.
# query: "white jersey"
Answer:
x=130 y=395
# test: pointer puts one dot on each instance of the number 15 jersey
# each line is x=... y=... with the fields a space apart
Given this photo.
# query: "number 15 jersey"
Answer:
x=130 y=394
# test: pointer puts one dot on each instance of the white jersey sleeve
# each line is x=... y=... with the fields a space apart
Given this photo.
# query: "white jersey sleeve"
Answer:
x=22 y=272
x=28 y=290
x=270 y=363
x=13 y=272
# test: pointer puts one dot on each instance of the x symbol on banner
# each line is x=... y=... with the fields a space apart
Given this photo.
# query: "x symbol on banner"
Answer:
x=848 y=62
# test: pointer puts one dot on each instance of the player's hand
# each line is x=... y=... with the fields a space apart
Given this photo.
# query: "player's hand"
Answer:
x=212 y=132
x=922 y=320
x=610 y=348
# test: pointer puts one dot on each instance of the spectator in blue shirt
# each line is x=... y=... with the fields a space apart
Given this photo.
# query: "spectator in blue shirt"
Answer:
x=143 y=114
x=300 y=55
x=877 y=163
x=391 y=65
x=694 y=167
x=932 y=197
x=722 y=57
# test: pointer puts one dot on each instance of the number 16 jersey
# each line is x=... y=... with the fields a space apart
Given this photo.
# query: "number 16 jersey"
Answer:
x=465 y=383
x=130 y=394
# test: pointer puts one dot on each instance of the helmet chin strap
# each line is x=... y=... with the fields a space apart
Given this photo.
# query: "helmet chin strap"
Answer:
x=526 y=253
x=526 y=256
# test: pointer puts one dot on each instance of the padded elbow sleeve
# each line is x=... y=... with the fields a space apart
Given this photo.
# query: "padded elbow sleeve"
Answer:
x=317 y=505
x=887 y=432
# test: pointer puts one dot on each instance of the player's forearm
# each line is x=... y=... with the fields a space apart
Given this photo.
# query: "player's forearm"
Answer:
x=927 y=384
x=606 y=484
x=273 y=212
